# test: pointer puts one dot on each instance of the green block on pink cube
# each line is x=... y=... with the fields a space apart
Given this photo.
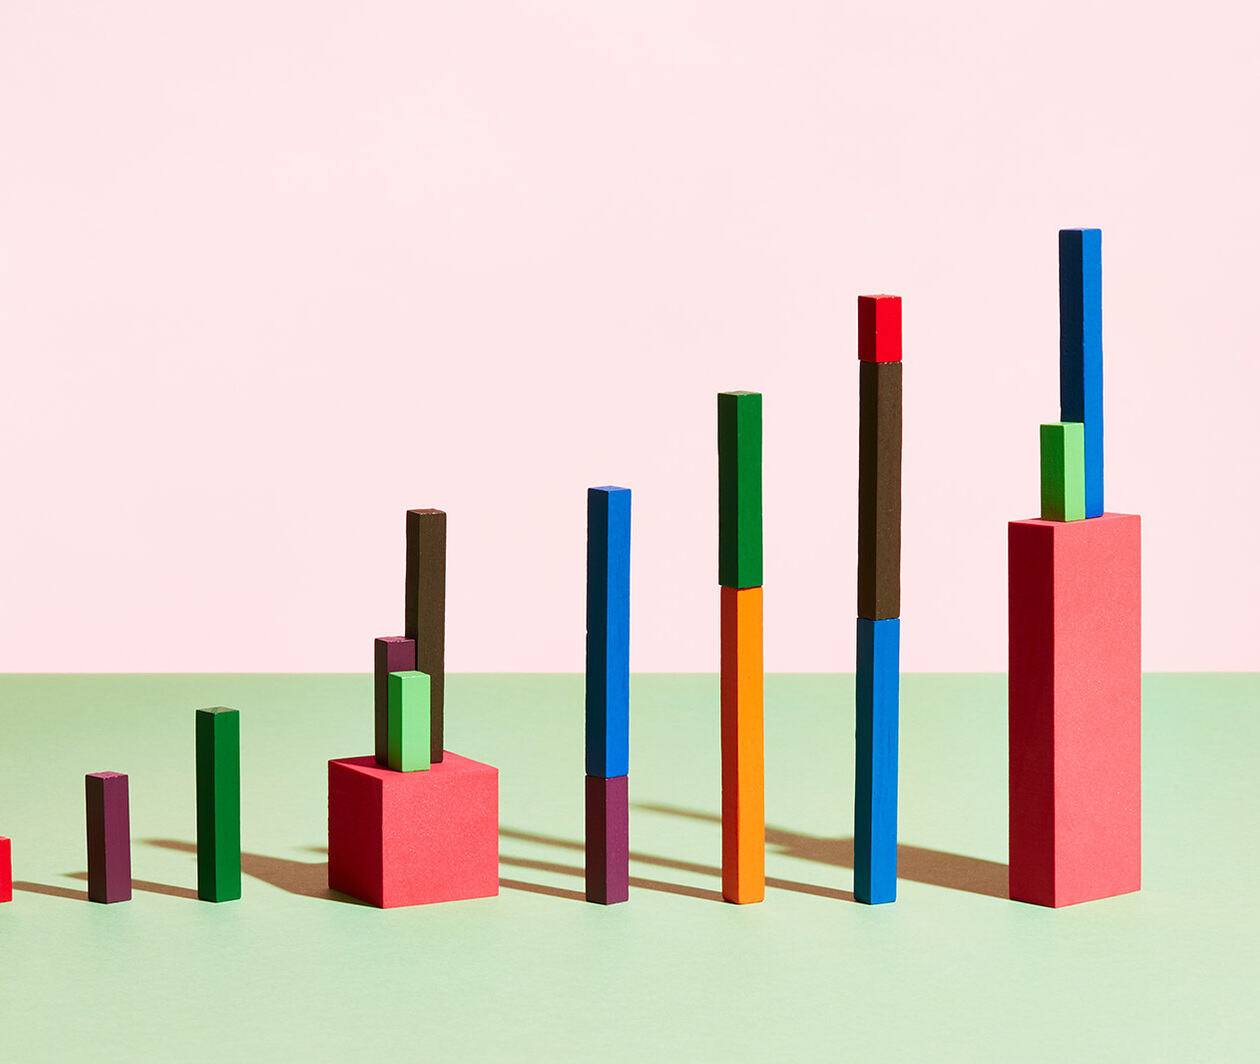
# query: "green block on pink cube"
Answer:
x=1063 y=471
x=408 y=731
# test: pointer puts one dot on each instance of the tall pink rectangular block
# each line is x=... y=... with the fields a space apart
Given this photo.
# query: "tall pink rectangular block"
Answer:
x=1075 y=709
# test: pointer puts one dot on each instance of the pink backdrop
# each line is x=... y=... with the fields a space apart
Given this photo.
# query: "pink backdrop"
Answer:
x=271 y=273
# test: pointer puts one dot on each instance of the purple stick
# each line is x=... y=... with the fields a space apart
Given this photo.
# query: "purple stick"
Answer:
x=108 y=837
x=393 y=653
x=607 y=839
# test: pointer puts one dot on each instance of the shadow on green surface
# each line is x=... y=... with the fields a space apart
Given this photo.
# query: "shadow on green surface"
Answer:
x=51 y=891
x=934 y=867
x=660 y=862
x=309 y=879
x=637 y=882
x=149 y=886
x=539 y=888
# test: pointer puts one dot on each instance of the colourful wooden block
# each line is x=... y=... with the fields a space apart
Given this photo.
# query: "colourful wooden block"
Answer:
x=879 y=328
x=408 y=740
x=608 y=631
x=1080 y=350
x=607 y=839
x=875 y=795
x=879 y=490
x=426 y=611
x=739 y=489
x=108 y=837
x=6 y=870
x=391 y=653
x=1075 y=713
x=743 y=747
x=218 y=804
x=1063 y=471
x=410 y=838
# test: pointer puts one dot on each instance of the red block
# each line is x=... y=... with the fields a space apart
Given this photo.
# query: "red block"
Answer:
x=409 y=838
x=1075 y=708
x=6 y=871
x=879 y=328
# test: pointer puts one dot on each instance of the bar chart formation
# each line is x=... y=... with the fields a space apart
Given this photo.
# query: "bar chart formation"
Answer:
x=413 y=823
x=878 y=599
x=108 y=837
x=1074 y=635
x=607 y=694
x=742 y=679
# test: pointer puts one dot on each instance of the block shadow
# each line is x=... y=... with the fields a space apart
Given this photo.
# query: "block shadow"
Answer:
x=637 y=882
x=917 y=863
x=50 y=890
x=308 y=879
x=149 y=886
x=663 y=886
x=539 y=888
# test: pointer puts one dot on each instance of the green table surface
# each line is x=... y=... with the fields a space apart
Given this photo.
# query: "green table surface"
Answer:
x=952 y=970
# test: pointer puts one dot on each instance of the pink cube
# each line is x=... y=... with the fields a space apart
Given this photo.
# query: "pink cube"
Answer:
x=409 y=838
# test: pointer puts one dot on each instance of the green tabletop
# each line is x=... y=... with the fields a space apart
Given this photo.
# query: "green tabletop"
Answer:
x=953 y=970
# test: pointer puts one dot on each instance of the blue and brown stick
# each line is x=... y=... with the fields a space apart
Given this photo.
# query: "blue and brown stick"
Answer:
x=879 y=599
x=607 y=694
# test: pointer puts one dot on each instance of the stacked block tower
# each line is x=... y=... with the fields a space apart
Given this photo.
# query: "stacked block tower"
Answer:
x=1074 y=601
x=742 y=669
x=879 y=599
x=414 y=823
x=607 y=695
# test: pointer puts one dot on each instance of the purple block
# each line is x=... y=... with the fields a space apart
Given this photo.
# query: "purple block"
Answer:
x=394 y=653
x=108 y=837
x=607 y=839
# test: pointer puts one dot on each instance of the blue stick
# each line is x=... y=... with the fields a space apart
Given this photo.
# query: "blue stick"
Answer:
x=608 y=632
x=875 y=801
x=1080 y=350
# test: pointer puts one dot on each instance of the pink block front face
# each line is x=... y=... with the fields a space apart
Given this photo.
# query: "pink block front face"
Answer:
x=6 y=871
x=410 y=838
x=1075 y=709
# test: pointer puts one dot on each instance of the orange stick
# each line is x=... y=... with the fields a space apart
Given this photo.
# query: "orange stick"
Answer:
x=743 y=748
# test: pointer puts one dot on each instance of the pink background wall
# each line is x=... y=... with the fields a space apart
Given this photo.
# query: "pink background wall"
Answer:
x=271 y=273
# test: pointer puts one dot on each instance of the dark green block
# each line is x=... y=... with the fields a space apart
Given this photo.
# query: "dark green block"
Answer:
x=1063 y=471
x=218 y=804
x=739 y=489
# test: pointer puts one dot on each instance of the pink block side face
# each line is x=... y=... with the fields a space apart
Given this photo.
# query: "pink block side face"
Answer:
x=1098 y=710
x=436 y=832
x=1075 y=709
x=6 y=871
x=354 y=838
